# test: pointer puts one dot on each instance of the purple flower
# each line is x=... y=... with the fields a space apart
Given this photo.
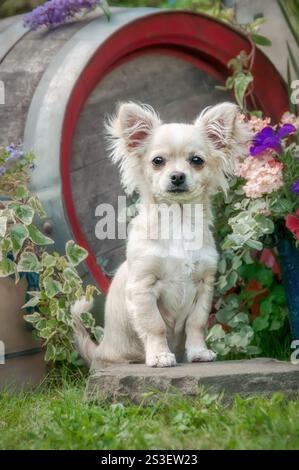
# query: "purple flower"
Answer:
x=14 y=153
x=55 y=12
x=295 y=187
x=268 y=138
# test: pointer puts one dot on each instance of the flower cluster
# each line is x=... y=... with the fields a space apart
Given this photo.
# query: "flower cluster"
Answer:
x=270 y=165
x=263 y=176
x=12 y=155
x=55 y=12
x=262 y=171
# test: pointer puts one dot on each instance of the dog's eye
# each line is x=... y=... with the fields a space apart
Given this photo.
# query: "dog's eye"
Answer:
x=195 y=160
x=158 y=161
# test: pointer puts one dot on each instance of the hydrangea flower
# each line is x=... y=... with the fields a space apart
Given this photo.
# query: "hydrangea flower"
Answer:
x=295 y=187
x=268 y=138
x=55 y=12
x=290 y=118
x=262 y=175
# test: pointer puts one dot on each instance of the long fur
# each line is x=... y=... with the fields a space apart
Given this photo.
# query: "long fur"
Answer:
x=159 y=300
x=85 y=346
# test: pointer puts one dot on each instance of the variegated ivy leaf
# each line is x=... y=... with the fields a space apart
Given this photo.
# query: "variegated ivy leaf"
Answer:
x=52 y=287
x=71 y=275
x=35 y=203
x=50 y=353
x=3 y=226
x=29 y=263
x=18 y=234
x=37 y=237
x=87 y=319
x=48 y=261
x=23 y=212
x=32 y=318
x=241 y=83
x=75 y=253
x=216 y=333
x=33 y=302
x=7 y=267
x=22 y=193
x=91 y=291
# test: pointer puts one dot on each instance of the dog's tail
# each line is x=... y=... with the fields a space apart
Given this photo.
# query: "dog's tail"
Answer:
x=84 y=344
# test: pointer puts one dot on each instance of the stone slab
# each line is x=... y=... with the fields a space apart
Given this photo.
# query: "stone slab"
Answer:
x=137 y=382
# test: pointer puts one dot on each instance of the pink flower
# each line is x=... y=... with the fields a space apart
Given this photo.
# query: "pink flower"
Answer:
x=262 y=175
x=289 y=118
x=257 y=124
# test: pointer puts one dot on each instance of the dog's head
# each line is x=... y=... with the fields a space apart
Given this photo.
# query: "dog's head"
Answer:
x=176 y=162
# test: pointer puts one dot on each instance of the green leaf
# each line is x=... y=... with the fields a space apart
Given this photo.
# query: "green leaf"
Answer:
x=29 y=263
x=261 y=323
x=37 y=237
x=32 y=318
x=237 y=262
x=71 y=275
x=36 y=205
x=7 y=267
x=50 y=354
x=255 y=244
x=22 y=193
x=52 y=287
x=75 y=253
x=98 y=333
x=239 y=319
x=18 y=234
x=33 y=302
x=231 y=280
x=23 y=212
x=48 y=261
x=224 y=315
x=87 y=319
x=261 y=40
x=3 y=226
x=106 y=9
x=222 y=266
x=242 y=81
x=216 y=333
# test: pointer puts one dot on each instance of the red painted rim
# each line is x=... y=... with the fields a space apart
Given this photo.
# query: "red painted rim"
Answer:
x=205 y=42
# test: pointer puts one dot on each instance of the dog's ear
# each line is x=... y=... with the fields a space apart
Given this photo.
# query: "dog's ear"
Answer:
x=220 y=125
x=134 y=125
x=129 y=133
x=227 y=136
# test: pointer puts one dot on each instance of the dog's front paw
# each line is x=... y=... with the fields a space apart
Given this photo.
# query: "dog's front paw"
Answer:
x=201 y=355
x=166 y=359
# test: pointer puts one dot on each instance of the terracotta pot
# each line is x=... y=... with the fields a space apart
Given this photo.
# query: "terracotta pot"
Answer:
x=21 y=357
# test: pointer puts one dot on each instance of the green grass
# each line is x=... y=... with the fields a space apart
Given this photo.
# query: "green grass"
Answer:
x=56 y=417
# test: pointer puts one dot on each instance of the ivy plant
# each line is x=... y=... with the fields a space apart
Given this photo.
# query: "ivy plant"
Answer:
x=25 y=249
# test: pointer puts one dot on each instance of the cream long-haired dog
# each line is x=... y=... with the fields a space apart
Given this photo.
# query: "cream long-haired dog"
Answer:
x=159 y=301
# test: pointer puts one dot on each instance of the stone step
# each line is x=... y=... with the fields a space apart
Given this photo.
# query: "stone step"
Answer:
x=137 y=382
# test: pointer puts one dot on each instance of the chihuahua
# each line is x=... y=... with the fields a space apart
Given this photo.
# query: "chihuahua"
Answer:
x=159 y=301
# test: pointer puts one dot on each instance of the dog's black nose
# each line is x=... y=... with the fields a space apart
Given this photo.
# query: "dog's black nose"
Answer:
x=177 y=178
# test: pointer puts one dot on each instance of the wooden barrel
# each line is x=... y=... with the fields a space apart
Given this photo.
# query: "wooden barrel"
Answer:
x=60 y=84
x=21 y=356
